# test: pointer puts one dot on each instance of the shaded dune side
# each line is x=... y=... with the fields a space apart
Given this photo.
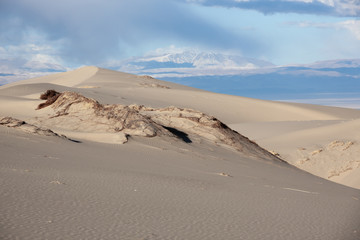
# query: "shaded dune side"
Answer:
x=74 y=112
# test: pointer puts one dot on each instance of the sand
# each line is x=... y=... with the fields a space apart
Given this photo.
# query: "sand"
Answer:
x=164 y=188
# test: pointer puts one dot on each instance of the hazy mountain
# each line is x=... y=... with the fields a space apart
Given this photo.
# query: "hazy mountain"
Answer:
x=335 y=82
x=191 y=63
x=335 y=68
x=345 y=63
x=332 y=82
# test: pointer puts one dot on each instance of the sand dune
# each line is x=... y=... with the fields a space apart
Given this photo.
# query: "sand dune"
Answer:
x=329 y=151
x=181 y=173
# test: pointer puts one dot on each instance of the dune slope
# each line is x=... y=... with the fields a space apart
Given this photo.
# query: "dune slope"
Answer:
x=161 y=187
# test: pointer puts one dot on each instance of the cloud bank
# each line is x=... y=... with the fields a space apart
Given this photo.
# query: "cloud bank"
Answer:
x=342 y=8
x=353 y=26
x=89 y=31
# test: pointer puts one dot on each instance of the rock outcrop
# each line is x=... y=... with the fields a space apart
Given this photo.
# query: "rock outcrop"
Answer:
x=74 y=112
x=26 y=127
x=50 y=96
x=196 y=123
x=324 y=161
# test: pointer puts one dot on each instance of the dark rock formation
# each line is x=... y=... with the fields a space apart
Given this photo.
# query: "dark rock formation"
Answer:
x=50 y=96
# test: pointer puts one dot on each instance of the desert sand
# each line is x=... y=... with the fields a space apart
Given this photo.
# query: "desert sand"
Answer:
x=119 y=156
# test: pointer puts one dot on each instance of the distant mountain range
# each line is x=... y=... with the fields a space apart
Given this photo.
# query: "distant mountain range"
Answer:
x=191 y=63
x=333 y=82
x=196 y=63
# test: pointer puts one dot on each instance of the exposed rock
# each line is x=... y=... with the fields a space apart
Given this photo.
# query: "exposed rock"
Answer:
x=340 y=145
x=75 y=112
x=316 y=152
x=151 y=82
x=154 y=85
x=147 y=77
x=324 y=161
x=194 y=122
x=275 y=153
x=50 y=96
x=22 y=125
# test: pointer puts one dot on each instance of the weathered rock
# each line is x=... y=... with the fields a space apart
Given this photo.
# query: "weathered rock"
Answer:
x=50 y=96
x=75 y=112
x=193 y=122
x=23 y=126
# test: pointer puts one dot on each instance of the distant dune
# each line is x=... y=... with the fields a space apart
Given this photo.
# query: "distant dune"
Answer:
x=119 y=156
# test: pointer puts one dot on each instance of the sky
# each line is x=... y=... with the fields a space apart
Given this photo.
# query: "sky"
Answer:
x=67 y=33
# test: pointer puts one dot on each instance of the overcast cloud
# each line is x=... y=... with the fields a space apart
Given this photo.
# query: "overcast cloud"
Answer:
x=69 y=33
x=344 y=8
x=89 y=31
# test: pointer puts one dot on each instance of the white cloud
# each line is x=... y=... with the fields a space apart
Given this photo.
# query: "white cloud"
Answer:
x=353 y=26
x=43 y=61
x=342 y=7
x=110 y=29
x=328 y=2
x=321 y=7
x=195 y=1
x=34 y=57
x=348 y=7
x=172 y=49
x=305 y=1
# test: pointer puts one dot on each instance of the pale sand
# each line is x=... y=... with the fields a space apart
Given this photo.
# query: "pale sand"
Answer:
x=163 y=188
x=326 y=148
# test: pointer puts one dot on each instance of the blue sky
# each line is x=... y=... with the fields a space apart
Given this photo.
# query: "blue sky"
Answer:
x=93 y=32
